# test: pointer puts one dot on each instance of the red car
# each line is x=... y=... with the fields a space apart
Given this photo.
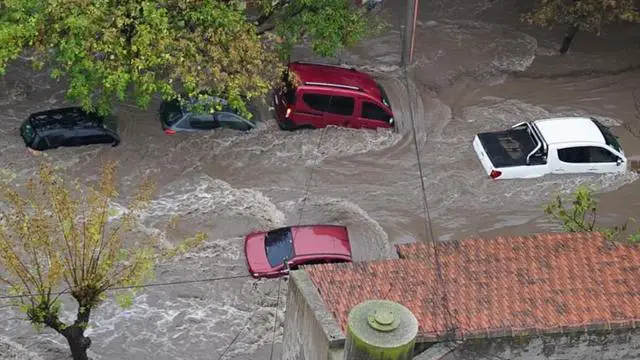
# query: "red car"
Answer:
x=316 y=96
x=268 y=252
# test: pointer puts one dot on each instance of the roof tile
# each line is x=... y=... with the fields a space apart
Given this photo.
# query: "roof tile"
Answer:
x=540 y=283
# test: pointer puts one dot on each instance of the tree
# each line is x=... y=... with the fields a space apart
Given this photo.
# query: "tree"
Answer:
x=581 y=15
x=582 y=216
x=115 y=49
x=330 y=25
x=53 y=242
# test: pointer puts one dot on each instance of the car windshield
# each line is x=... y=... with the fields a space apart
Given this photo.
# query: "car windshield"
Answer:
x=609 y=138
x=385 y=99
x=279 y=246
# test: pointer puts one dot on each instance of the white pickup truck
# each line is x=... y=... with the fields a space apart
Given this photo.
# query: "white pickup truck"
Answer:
x=567 y=145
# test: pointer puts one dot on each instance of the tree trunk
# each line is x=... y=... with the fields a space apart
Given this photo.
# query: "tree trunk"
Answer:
x=568 y=39
x=78 y=343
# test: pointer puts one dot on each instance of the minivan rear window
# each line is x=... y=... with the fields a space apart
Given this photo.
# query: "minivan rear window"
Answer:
x=289 y=89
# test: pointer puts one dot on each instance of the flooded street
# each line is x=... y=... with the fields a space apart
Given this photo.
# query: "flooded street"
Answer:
x=476 y=69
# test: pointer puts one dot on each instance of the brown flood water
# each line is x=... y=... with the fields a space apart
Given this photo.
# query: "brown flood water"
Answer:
x=476 y=69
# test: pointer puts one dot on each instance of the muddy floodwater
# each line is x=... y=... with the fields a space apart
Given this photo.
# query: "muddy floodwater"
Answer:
x=476 y=69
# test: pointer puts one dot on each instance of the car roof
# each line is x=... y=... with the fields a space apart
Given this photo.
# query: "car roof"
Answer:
x=57 y=118
x=329 y=74
x=321 y=239
x=569 y=130
x=226 y=108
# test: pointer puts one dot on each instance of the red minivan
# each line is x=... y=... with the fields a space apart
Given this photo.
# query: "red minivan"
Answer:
x=316 y=95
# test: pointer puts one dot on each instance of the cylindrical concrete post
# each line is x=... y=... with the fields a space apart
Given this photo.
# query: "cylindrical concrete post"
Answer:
x=380 y=330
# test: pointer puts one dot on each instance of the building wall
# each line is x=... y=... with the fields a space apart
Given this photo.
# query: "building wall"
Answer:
x=616 y=345
x=310 y=332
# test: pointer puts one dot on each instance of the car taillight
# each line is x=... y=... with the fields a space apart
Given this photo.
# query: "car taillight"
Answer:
x=495 y=174
x=288 y=112
x=169 y=131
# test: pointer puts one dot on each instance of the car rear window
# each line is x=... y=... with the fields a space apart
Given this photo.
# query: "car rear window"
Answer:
x=28 y=134
x=171 y=112
x=609 y=138
x=279 y=246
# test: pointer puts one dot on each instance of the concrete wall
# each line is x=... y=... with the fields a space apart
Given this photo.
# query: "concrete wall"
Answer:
x=310 y=332
x=616 y=345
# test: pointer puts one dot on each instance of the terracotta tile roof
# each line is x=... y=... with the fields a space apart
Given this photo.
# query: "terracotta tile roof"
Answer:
x=544 y=283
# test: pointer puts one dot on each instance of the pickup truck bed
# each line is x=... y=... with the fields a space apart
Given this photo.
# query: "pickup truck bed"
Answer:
x=507 y=148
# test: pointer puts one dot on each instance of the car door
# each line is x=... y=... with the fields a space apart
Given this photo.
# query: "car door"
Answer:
x=75 y=138
x=603 y=161
x=57 y=138
x=573 y=159
x=340 y=110
x=203 y=122
x=373 y=116
x=91 y=137
x=310 y=111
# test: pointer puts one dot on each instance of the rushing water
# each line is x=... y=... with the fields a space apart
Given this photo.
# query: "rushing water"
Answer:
x=475 y=69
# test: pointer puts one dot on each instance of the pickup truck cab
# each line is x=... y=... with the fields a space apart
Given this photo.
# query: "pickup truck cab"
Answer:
x=568 y=145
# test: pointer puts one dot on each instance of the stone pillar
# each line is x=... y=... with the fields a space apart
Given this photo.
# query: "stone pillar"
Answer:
x=380 y=330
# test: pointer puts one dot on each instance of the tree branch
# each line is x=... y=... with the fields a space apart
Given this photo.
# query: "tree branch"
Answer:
x=52 y=321
x=271 y=27
x=267 y=15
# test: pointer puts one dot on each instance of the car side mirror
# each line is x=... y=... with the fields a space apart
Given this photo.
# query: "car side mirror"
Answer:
x=391 y=121
x=619 y=162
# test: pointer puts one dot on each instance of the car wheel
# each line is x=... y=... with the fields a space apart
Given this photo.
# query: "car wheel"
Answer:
x=287 y=124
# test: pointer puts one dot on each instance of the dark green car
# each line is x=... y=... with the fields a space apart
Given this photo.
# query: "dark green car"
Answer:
x=68 y=127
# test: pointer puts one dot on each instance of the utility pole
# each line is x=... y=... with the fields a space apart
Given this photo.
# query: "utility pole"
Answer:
x=409 y=32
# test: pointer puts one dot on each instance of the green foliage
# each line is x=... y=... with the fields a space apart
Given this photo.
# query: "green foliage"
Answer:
x=582 y=216
x=329 y=25
x=585 y=15
x=111 y=50
x=57 y=237
x=114 y=49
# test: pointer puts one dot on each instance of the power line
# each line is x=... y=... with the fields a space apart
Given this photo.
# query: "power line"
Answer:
x=169 y=283
x=275 y=319
x=428 y=222
x=244 y=327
